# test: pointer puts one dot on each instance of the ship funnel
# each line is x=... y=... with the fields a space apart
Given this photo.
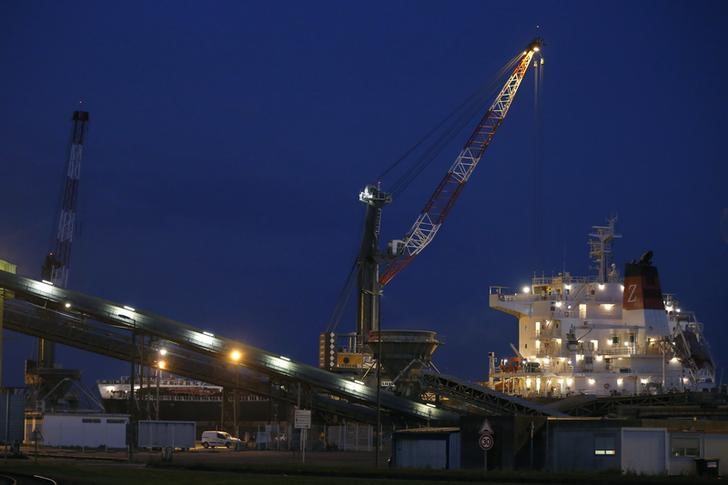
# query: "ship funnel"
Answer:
x=642 y=304
x=642 y=285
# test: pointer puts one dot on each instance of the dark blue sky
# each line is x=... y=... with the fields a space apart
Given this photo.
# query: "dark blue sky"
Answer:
x=229 y=141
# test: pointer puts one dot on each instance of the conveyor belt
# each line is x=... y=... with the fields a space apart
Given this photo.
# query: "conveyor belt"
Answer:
x=89 y=335
x=119 y=316
x=604 y=405
x=487 y=400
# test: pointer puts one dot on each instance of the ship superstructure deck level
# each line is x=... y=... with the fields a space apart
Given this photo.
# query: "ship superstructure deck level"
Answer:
x=601 y=335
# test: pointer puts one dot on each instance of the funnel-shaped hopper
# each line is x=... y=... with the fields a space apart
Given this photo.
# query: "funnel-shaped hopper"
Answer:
x=399 y=348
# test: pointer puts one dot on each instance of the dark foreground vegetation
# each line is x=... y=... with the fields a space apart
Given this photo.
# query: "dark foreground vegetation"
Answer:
x=218 y=474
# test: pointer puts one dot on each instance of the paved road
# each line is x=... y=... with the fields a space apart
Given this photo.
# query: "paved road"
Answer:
x=216 y=455
x=14 y=479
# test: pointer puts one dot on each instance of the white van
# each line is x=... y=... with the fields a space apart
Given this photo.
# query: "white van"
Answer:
x=211 y=439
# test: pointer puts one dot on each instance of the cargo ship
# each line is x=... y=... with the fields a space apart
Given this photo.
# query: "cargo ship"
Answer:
x=607 y=334
x=176 y=398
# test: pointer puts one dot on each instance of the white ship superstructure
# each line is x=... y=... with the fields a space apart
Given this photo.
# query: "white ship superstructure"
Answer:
x=601 y=335
x=169 y=388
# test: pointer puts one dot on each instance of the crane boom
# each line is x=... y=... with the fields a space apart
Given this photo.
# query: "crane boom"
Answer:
x=427 y=224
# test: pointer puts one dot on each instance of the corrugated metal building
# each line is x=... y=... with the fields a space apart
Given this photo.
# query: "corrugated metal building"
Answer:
x=84 y=430
x=433 y=448
x=640 y=446
x=12 y=414
x=166 y=434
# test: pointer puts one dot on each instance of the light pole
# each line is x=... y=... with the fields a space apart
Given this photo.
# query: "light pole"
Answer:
x=378 y=433
x=236 y=356
x=161 y=365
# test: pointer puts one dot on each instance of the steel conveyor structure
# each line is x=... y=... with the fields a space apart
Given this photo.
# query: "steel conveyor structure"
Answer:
x=203 y=355
x=476 y=399
x=91 y=336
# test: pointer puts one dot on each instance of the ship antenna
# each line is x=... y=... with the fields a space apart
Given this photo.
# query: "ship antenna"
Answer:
x=600 y=249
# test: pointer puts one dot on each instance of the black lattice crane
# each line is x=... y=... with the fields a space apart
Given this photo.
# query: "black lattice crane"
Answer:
x=58 y=260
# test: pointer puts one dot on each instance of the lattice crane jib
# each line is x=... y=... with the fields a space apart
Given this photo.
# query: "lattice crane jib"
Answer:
x=437 y=208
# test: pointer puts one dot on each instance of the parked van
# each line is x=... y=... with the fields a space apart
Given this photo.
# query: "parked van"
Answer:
x=211 y=439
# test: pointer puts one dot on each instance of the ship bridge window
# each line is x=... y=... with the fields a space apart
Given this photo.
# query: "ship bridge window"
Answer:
x=605 y=445
x=685 y=446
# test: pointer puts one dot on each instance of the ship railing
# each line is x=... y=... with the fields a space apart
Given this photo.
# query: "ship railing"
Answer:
x=113 y=381
x=505 y=293
x=559 y=280
x=556 y=365
x=177 y=397
x=684 y=317
x=620 y=350
x=548 y=332
x=653 y=350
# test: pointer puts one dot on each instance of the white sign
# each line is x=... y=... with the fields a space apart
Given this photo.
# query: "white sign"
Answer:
x=302 y=419
x=486 y=441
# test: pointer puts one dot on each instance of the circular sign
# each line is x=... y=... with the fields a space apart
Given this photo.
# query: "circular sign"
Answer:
x=486 y=441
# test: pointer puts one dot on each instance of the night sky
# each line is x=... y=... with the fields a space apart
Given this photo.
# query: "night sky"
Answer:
x=229 y=142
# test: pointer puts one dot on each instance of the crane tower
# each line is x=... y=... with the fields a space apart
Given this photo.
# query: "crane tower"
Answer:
x=57 y=262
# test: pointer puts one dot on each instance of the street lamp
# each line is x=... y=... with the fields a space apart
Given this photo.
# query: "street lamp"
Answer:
x=236 y=356
x=161 y=365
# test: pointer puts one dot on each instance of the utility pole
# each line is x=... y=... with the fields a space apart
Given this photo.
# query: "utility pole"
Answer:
x=4 y=266
x=378 y=434
x=132 y=401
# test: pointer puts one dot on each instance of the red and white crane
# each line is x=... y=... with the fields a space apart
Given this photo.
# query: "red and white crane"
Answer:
x=433 y=215
x=437 y=208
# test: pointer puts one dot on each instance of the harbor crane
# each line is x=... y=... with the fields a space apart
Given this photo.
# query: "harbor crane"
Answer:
x=401 y=252
x=48 y=381
x=57 y=262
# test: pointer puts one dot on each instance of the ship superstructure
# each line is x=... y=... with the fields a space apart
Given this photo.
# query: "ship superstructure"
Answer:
x=169 y=388
x=600 y=335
